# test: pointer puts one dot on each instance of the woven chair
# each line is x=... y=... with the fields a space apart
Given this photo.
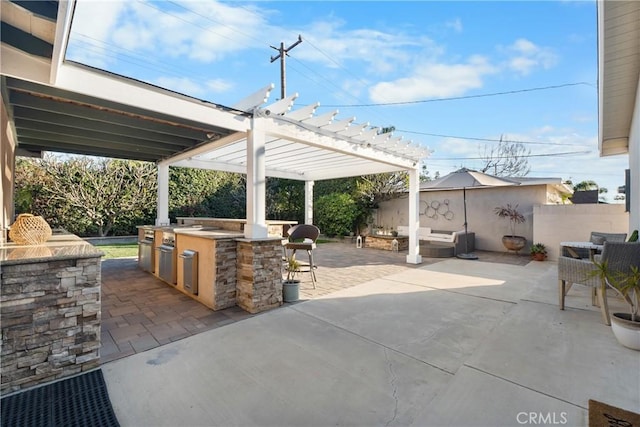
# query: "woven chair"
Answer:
x=597 y=238
x=619 y=256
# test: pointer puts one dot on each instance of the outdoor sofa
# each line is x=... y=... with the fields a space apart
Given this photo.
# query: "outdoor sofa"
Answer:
x=458 y=240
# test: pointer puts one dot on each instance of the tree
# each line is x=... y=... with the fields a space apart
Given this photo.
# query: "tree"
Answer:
x=506 y=159
x=103 y=191
x=590 y=185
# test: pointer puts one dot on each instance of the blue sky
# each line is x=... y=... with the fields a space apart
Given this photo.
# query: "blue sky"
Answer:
x=415 y=55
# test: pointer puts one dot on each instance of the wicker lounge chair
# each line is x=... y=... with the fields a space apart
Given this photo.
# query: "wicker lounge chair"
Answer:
x=619 y=256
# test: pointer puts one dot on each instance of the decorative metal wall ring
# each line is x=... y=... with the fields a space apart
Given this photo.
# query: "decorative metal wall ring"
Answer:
x=436 y=209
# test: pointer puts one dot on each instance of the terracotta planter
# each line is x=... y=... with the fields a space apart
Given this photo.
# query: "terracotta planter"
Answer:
x=626 y=332
x=514 y=243
x=538 y=256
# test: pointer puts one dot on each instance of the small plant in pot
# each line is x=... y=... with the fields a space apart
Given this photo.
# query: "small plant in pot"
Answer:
x=625 y=326
x=291 y=285
x=512 y=241
x=538 y=251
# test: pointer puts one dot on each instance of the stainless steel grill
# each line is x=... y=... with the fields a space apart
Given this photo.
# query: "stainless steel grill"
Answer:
x=167 y=258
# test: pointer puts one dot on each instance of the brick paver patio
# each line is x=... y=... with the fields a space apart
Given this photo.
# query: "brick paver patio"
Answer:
x=140 y=312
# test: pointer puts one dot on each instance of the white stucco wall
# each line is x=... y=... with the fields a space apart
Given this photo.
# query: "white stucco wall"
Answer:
x=553 y=224
x=481 y=218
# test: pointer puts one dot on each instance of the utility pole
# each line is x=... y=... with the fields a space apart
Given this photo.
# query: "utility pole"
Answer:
x=282 y=53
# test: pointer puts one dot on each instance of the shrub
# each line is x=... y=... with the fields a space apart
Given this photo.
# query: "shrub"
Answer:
x=335 y=214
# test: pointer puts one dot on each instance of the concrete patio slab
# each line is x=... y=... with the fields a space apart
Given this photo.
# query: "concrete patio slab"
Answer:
x=475 y=398
x=569 y=354
x=474 y=278
x=437 y=327
x=283 y=368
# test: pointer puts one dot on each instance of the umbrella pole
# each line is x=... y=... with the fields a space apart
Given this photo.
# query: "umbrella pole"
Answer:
x=466 y=255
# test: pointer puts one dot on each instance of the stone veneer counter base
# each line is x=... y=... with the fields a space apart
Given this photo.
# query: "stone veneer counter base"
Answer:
x=49 y=311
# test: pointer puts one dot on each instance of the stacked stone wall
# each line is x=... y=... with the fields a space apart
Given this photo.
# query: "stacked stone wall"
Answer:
x=259 y=275
x=226 y=274
x=386 y=243
x=50 y=321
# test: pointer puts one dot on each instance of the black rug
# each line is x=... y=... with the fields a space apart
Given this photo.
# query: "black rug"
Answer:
x=78 y=401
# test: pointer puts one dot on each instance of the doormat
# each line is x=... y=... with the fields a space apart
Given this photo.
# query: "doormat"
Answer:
x=603 y=415
x=75 y=402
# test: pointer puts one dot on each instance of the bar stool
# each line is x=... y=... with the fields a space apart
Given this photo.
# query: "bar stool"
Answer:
x=303 y=237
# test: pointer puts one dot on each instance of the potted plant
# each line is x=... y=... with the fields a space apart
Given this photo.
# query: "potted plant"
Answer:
x=538 y=251
x=512 y=241
x=291 y=285
x=625 y=326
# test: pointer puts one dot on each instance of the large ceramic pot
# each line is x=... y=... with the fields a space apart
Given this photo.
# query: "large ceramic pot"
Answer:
x=514 y=243
x=626 y=331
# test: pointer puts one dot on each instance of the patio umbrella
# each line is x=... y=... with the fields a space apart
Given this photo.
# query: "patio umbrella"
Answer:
x=465 y=178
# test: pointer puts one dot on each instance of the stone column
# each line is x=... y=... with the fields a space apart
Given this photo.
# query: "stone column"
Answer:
x=259 y=274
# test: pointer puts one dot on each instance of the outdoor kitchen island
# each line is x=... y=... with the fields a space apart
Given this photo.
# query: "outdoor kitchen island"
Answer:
x=50 y=310
x=211 y=261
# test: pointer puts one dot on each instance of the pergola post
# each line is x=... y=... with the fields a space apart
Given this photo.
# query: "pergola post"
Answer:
x=163 y=195
x=413 y=257
x=308 y=202
x=256 y=226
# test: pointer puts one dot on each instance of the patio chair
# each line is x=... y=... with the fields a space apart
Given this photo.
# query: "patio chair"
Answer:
x=304 y=236
x=619 y=256
x=597 y=238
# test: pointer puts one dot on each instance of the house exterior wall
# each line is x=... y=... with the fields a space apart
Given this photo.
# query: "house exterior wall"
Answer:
x=444 y=210
x=7 y=166
x=553 y=224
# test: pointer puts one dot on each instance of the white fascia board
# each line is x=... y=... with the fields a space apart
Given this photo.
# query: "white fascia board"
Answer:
x=16 y=63
x=204 y=148
x=63 y=28
x=102 y=85
x=317 y=138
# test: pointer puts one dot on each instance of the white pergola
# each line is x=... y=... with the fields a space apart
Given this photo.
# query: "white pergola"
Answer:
x=299 y=145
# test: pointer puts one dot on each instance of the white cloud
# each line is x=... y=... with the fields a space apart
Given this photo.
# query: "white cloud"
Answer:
x=181 y=85
x=525 y=56
x=91 y=32
x=205 y=31
x=331 y=45
x=455 y=25
x=434 y=80
x=219 y=85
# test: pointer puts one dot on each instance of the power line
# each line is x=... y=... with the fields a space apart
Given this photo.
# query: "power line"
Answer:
x=456 y=98
x=485 y=139
x=568 y=153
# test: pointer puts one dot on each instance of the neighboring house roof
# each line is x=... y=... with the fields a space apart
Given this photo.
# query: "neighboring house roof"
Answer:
x=521 y=182
x=619 y=72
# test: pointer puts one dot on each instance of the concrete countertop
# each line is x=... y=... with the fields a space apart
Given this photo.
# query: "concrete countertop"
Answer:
x=60 y=246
